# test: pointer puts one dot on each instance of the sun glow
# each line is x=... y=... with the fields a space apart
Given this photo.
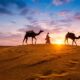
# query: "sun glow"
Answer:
x=59 y=42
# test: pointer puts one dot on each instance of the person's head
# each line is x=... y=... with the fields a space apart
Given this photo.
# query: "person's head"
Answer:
x=48 y=33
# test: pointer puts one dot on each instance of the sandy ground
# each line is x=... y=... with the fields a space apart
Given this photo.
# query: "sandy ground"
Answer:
x=40 y=62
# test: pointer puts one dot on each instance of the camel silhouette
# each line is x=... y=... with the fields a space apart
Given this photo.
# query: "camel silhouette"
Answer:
x=31 y=34
x=71 y=36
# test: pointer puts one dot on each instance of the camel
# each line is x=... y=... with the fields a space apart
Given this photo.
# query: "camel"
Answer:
x=71 y=36
x=31 y=34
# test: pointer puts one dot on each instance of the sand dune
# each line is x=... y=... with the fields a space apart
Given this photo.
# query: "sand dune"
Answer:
x=40 y=62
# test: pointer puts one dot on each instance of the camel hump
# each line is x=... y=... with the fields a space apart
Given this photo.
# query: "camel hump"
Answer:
x=69 y=34
x=31 y=31
x=72 y=34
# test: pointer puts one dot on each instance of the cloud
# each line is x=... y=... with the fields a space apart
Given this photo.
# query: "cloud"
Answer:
x=27 y=11
x=56 y=30
x=57 y=2
x=5 y=36
x=5 y=11
x=10 y=38
x=77 y=16
x=30 y=27
x=64 y=13
x=6 y=5
x=60 y=2
x=65 y=21
x=32 y=20
x=13 y=22
x=19 y=3
x=24 y=11
x=65 y=17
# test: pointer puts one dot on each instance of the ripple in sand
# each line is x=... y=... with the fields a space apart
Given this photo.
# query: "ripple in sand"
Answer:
x=49 y=75
x=72 y=64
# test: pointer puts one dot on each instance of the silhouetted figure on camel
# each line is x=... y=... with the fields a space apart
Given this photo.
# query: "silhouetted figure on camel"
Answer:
x=31 y=34
x=47 y=39
x=72 y=37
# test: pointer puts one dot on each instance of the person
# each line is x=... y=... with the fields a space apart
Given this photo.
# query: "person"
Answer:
x=47 y=39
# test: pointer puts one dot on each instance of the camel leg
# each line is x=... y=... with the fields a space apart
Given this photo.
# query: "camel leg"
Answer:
x=35 y=40
x=32 y=40
x=75 y=43
x=26 y=40
x=66 y=41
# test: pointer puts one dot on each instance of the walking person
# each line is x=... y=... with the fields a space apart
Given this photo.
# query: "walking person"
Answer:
x=47 y=39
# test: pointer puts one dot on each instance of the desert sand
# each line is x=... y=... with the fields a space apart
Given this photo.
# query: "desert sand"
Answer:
x=40 y=62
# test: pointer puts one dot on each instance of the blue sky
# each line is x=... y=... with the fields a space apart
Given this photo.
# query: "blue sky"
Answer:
x=54 y=16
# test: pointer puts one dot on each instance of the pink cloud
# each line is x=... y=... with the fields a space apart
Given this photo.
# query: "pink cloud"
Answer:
x=77 y=16
x=57 y=2
x=9 y=36
x=60 y=2
x=65 y=13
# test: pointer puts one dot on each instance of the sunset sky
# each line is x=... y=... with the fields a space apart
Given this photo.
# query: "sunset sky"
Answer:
x=54 y=16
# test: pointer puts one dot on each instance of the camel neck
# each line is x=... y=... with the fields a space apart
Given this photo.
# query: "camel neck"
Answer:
x=38 y=33
x=77 y=37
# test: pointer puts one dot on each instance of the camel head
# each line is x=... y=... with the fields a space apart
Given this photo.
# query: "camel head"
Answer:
x=41 y=31
x=79 y=37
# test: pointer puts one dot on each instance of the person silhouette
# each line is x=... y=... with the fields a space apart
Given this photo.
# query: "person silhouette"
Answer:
x=47 y=39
